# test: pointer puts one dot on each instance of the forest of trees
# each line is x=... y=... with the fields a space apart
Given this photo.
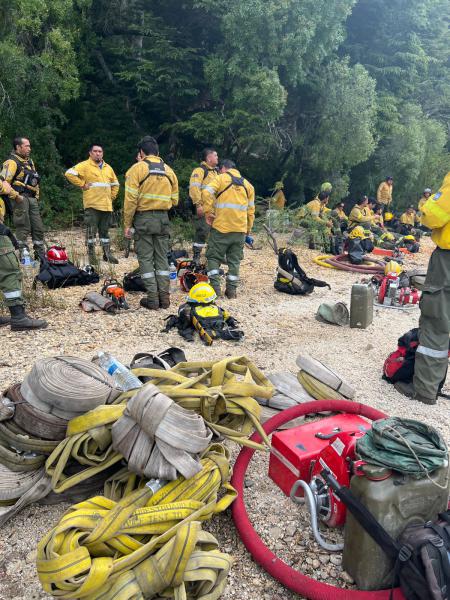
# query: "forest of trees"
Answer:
x=303 y=91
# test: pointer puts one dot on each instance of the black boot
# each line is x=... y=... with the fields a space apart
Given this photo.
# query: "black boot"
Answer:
x=196 y=254
x=407 y=389
x=150 y=303
x=108 y=255
x=20 y=321
x=164 y=300
x=230 y=293
x=92 y=257
x=5 y=321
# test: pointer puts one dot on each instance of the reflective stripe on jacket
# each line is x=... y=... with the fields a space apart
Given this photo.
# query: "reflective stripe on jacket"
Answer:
x=233 y=205
x=198 y=181
x=103 y=184
x=148 y=191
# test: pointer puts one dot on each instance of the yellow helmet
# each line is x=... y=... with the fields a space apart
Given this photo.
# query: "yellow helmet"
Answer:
x=388 y=216
x=326 y=187
x=392 y=267
x=202 y=293
x=357 y=232
x=409 y=238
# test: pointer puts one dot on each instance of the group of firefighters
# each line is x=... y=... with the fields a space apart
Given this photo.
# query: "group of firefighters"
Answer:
x=368 y=213
x=223 y=209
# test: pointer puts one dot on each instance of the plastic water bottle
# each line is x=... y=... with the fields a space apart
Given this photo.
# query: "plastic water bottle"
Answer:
x=173 y=278
x=26 y=259
x=124 y=378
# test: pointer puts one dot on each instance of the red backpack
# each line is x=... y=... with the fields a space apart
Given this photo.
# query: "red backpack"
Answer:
x=399 y=365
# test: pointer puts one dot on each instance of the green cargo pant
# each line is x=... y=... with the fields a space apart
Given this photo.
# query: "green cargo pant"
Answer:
x=151 y=239
x=434 y=327
x=10 y=273
x=97 y=221
x=201 y=232
x=224 y=248
x=28 y=222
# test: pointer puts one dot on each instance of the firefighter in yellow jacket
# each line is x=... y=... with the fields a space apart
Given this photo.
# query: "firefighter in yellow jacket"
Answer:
x=431 y=361
x=360 y=214
x=202 y=175
x=229 y=205
x=151 y=189
x=100 y=188
x=20 y=172
x=384 y=192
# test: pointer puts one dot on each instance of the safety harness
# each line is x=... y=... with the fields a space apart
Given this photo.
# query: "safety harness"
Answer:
x=209 y=320
x=291 y=278
x=239 y=181
x=155 y=168
x=26 y=178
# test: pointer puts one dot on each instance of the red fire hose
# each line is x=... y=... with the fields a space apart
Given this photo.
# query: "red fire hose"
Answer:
x=289 y=577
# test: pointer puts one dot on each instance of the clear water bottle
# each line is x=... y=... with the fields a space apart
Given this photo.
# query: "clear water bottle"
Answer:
x=124 y=378
x=26 y=258
x=173 y=278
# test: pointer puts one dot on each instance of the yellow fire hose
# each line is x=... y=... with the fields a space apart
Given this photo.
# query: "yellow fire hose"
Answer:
x=146 y=545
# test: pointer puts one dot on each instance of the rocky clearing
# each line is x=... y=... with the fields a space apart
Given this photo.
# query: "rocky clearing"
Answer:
x=277 y=329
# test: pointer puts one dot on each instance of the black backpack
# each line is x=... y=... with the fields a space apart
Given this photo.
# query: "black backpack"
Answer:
x=291 y=278
x=424 y=564
x=60 y=276
x=421 y=553
x=132 y=282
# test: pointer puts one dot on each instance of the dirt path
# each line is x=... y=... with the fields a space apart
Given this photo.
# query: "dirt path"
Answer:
x=277 y=328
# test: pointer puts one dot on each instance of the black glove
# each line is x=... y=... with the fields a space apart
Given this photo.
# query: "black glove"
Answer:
x=7 y=231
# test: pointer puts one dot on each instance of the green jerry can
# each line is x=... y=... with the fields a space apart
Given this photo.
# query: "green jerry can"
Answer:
x=361 y=305
x=395 y=500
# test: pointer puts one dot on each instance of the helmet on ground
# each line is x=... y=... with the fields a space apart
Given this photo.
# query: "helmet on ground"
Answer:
x=202 y=293
x=388 y=216
x=409 y=238
x=57 y=255
x=326 y=187
x=392 y=267
x=357 y=232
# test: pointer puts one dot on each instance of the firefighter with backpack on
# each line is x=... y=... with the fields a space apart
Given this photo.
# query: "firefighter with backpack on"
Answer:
x=11 y=279
x=431 y=361
x=151 y=189
x=201 y=176
x=20 y=172
x=229 y=205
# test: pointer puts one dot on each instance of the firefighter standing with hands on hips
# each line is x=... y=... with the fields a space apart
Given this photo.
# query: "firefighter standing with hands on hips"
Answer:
x=229 y=205
x=151 y=189
x=202 y=175
x=19 y=171
x=100 y=188
x=11 y=278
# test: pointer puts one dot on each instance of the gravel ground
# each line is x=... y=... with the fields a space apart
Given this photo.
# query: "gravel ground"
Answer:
x=278 y=328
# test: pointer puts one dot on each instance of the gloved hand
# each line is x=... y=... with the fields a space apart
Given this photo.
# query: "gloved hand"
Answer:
x=249 y=240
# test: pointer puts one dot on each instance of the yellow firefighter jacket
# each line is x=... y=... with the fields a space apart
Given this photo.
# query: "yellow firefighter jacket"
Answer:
x=201 y=176
x=150 y=185
x=20 y=173
x=384 y=193
x=436 y=215
x=102 y=181
x=341 y=214
x=2 y=210
x=407 y=219
x=360 y=216
x=231 y=198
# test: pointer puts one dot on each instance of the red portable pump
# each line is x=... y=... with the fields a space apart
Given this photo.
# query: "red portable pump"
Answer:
x=298 y=457
x=390 y=291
